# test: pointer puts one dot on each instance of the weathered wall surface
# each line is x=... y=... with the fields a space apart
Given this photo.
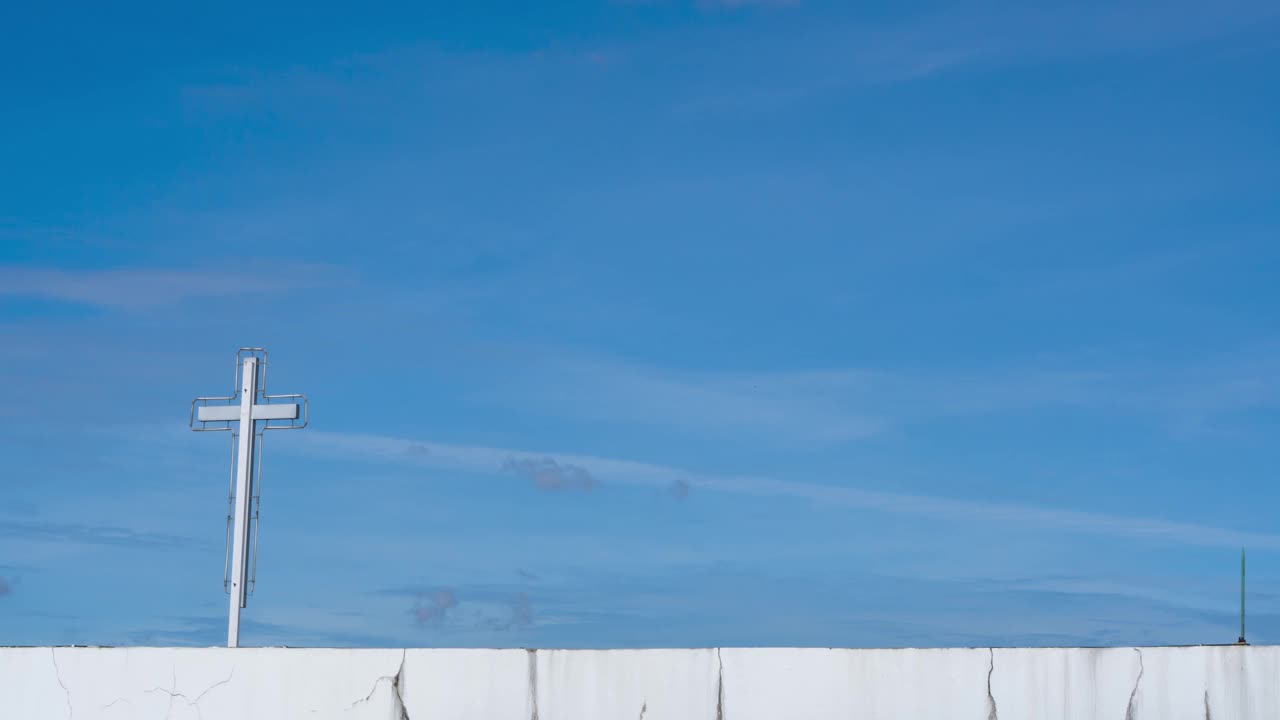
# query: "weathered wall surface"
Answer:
x=1193 y=683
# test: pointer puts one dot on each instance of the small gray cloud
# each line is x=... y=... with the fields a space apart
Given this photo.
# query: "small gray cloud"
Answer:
x=521 y=610
x=548 y=474
x=5 y=588
x=527 y=575
x=418 y=449
x=680 y=488
x=432 y=606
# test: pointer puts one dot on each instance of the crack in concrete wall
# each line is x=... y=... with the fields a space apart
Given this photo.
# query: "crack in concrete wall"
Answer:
x=719 y=686
x=174 y=682
x=397 y=686
x=533 y=683
x=57 y=674
x=396 y=681
x=991 y=699
x=175 y=694
x=1128 y=713
x=109 y=705
x=214 y=686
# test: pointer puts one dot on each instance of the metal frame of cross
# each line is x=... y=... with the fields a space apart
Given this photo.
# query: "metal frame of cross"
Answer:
x=246 y=413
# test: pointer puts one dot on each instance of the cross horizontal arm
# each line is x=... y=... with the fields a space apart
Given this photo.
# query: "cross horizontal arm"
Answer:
x=226 y=413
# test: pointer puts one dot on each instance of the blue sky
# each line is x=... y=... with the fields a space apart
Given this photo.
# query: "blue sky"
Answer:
x=730 y=322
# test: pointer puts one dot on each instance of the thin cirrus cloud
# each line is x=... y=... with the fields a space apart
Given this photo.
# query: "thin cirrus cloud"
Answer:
x=712 y=4
x=207 y=630
x=490 y=460
x=830 y=407
x=719 y=4
x=984 y=38
x=794 y=406
x=141 y=288
x=108 y=535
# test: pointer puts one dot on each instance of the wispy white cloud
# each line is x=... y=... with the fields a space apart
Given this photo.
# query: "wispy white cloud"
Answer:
x=739 y=65
x=826 y=407
x=836 y=56
x=145 y=287
x=490 y=460
x=789 y=407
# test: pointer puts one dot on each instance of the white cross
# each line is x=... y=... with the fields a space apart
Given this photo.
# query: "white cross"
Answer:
x=254 y=406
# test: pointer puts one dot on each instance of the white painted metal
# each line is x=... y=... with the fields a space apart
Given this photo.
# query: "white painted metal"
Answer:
x=282 y=411
x=231 y=413
x=218 y=413
x=244 y=479
x=255 y=412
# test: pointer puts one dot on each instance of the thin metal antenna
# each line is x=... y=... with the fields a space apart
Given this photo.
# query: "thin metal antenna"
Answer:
x=253 y=411
x=1242 y=640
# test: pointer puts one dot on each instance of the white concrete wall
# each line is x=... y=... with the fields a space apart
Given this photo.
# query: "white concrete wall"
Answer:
x=1200 y=683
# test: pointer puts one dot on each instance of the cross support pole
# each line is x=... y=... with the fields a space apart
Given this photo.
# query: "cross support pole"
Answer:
x=244 y=479
x=1242 y=640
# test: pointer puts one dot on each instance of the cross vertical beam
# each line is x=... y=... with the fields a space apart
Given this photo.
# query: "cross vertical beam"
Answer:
x=244 y=479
